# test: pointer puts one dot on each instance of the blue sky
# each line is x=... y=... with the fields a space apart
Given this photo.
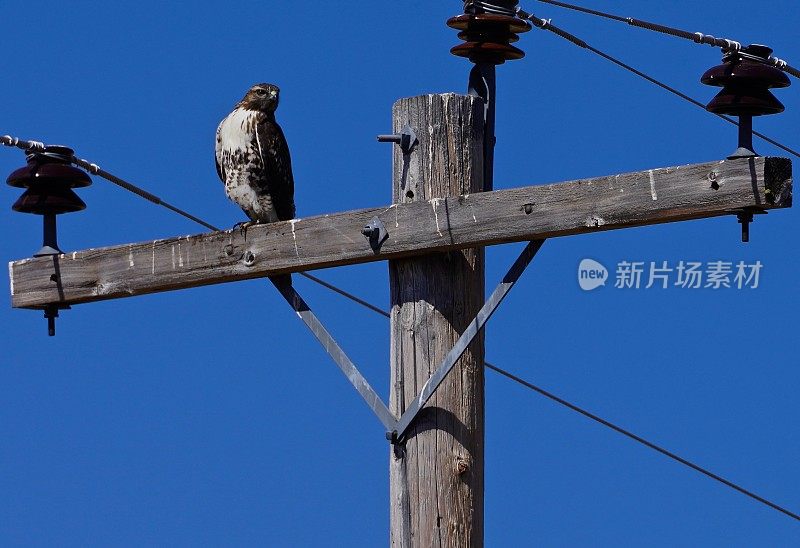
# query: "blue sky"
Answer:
x=210 y=416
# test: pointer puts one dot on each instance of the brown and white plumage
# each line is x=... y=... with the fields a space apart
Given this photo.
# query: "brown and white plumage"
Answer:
x=253 y=159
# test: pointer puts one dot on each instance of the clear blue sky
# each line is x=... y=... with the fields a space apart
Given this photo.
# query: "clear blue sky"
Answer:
x=210 y=416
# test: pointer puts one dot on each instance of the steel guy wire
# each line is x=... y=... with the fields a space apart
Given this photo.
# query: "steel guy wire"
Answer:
x=546 y=24
x=35 y=145
x=697 y=37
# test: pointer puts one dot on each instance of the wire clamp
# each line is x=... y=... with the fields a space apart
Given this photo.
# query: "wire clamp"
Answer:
x=780 y=63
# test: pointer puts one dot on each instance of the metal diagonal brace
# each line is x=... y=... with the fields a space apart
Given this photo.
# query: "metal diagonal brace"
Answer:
x=466 y=338
x=334 y=350
x=394 y=428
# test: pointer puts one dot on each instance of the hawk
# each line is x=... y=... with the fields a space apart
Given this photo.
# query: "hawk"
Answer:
x=253 y=158
x=253 y=161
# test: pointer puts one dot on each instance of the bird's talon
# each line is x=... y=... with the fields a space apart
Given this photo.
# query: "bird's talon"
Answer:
x=243 y=226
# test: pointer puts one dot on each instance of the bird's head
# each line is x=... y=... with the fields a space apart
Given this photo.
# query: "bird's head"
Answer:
x=261 y=97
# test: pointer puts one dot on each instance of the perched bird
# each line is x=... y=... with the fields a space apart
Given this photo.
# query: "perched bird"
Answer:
x=253 y=158
x=253 y=161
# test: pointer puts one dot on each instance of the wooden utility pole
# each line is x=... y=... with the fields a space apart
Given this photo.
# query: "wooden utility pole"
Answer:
x=436 y=469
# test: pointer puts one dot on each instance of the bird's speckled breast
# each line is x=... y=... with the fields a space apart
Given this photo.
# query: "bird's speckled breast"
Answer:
x=239 y=155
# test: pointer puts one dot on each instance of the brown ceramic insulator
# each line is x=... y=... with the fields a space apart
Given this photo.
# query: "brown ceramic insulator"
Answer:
x=488 y=20
x=746 y=73
x=50 y=173
x=49 y=179
x=488 y=37
x=45 y=200
x=745 y=101
x=746 y=79
x=488 y=52
x=485 y=36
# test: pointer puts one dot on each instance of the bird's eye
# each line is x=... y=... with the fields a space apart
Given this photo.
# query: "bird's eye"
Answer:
x=261 y=92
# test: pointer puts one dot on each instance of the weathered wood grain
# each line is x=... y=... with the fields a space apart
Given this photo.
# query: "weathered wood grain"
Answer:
x=436 y=472
x=435 y=225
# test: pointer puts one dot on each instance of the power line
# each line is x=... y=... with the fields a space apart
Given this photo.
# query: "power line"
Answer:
x=347 y=295
x=643 y=441
x=546 y=24
x=33 y=146
x=696 y=37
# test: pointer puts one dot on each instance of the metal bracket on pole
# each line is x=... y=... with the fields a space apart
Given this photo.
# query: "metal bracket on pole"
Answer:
x=483 y=84
x=469 y=334
x=406 y=139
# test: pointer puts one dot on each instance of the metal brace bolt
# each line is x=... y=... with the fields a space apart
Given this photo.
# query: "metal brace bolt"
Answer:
x=407 y=139
x=376 y=233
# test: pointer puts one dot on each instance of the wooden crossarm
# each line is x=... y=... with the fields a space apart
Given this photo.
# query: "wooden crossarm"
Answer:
x=518 y=214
